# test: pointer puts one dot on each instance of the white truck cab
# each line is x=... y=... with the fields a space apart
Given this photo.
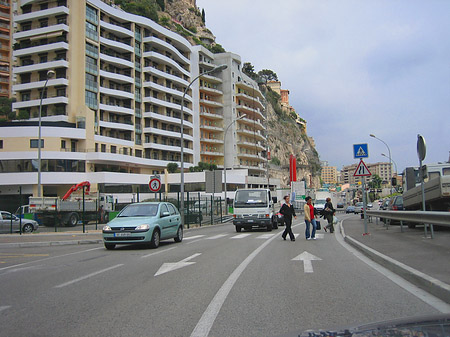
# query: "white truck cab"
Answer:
x=254 y=208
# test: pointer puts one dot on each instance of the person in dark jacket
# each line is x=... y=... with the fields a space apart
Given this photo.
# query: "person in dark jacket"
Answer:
x=288 y=211
x=328 y=213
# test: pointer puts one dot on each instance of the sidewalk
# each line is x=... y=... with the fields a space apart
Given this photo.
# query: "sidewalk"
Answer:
x=423 y=262
x=50 y=239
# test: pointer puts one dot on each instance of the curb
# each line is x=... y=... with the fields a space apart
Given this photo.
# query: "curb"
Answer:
x=49 y=243
x=431 y=285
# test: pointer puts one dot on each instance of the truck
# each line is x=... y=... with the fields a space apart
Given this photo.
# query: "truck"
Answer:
x=320 y=199
x=437 y=190
x=68 y=210
x=254 y=208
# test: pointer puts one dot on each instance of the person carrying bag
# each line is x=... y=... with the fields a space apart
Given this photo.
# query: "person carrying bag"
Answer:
x=328 y=213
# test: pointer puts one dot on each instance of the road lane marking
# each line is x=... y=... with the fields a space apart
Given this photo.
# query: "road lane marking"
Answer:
x=50 y=258
x=4 y=307
x=218 y=236
x=320 y=236
x=431 y=300
x=307 y=258
x=171 y=266
x=206 y=322
x=265 y=236
x=240 y=236
x=158 y=252
x=193 y=237
x=88 y=276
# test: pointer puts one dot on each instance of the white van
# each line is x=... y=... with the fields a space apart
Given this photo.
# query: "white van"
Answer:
x=254 y=208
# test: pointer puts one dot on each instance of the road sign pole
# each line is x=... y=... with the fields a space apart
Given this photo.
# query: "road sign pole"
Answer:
x=364 y=205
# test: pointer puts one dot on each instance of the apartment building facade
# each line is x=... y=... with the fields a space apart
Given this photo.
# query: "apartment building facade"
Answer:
x=382 y=169
x=5 y=48
x=329 y=174
x=112 y=112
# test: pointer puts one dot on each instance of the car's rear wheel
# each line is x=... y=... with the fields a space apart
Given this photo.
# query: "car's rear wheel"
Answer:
x=154 y=243
x=269 y=228
x=179 y=236
x=238 y=229
x=73 y=220
x=110 y=246
x=27 y=228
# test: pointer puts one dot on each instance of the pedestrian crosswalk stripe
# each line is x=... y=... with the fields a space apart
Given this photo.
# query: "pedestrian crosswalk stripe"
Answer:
x=194 y=237
x=218 y=236
x=265 y=236
x=240 y=236
x=296 y=235
x=320 y=236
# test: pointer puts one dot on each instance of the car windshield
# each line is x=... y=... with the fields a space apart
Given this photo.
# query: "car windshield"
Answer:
x=251 y=198
x=139 y=210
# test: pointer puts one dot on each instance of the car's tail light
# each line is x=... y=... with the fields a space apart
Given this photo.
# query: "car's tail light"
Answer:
x=234 y=215
x=394 y=208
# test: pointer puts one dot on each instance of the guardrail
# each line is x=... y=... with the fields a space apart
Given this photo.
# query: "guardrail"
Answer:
x=428 y=218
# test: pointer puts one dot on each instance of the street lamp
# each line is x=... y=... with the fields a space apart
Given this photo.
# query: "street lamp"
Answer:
x=224 y=158
x=395 y=164
x=50 y=74
x=390 y=158
x=214 y=70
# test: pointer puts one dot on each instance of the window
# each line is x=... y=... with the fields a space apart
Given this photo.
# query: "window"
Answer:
x=103 y=147
x=1 y=143
x=91 y=31
x=62 y=3
x=163 y=209
x=43 y=23
x=44 y=6
x=91 y=14
x=91 y=99
x=25 y=78
x=34 y=143
x=26 y=25
x=25 y=96
x=91 y=65
x=26 y=9
x=91 y=82
x=61 y=73
x=42 y=58
x=61 y=19
x=63 y=144
x=61 y=92
x=91 y=50
x=113 y=149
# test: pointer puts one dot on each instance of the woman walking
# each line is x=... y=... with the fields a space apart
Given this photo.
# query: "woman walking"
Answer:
x=309 y=219
x=328 y=213
x=288 y=211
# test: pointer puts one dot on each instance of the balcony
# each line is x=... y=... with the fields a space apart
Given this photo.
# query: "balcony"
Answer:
x=116 y=109
x=250 y=87
x=46 y=13
x=211 y=127
x=166 y=75
x=168 y=119
x=212 y=153
x=40 y=84
x=211 y=91
x=40 y=33
x=45 y=101
x=211 y=140
x=167 y=104
x=116 y=77
x=251 y=145
x=249 y=155
x=41 y=49
x=252 y=122
x=209 y=103
x=167 y=90
x=122 y=47
x=41 y=66
x=168 y=148
x=256 y=134
x=117 y=125
x=249 y=110
x=168 y=47
x=160 y=58
x=116 y=29
x=167 y=133
x=119 y=62
x=211 y=78
x=211 y=115
x=254 y=102
x=117 y=93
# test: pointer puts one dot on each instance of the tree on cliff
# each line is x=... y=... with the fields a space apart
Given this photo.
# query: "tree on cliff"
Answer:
x=147 y=8
x=267 y=75
x=249 y=70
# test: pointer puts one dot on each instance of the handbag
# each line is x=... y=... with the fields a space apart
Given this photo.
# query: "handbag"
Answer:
x=318 y=225
x=335 y=220
x=329 y=210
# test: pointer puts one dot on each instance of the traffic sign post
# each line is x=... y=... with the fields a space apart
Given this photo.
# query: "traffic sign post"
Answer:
x=421 y=153
x=363 y=171
x=155 y=184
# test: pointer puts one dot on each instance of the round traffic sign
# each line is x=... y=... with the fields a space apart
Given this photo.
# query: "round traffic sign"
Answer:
x=421 y=148
x=154 y=184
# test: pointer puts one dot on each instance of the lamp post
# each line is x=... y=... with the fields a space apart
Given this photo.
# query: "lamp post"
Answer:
x=216 y=69
x=224 y=158
x=390 y=158
x=50 y=74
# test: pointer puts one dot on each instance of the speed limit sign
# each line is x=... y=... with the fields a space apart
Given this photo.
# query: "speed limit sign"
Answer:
x=155 y=184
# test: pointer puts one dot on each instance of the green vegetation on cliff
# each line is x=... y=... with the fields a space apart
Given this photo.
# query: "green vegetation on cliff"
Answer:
x=147 y=8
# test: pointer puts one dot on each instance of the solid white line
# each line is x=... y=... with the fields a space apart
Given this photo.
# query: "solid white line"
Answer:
x=88 y=276
x=218 y=236
x=158 y=252
x=240 y=236
x=193 y=237
x=206 y=322
x=191 y=257
x=4 y=307
x=50 y=258
x=431 y=300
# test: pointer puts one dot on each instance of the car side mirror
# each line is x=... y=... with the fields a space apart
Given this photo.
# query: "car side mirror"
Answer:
x=164 y=214
x=274 y=200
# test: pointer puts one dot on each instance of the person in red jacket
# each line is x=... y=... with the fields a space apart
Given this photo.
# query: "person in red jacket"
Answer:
x=310 y=219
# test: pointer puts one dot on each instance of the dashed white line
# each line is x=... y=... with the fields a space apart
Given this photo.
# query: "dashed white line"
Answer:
x=218 y=236
x=193 y=237
x=158 y=252
x=4 y=307
x=240 y=236
x=88 y=276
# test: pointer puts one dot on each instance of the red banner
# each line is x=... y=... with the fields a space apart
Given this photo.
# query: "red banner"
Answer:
x=292 y=168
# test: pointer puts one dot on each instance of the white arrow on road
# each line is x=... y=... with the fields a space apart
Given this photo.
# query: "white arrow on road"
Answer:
x=166 y=267
x=307 y=258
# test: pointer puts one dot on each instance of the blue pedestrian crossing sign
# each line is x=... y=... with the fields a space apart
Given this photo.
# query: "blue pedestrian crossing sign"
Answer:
x=360 y=151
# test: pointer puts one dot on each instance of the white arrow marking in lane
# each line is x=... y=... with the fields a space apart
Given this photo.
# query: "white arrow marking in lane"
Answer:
x=4 y=307
x=240 y=236
x=88 y=276
x=193 y=237
x=167 y=267
x=307 y=258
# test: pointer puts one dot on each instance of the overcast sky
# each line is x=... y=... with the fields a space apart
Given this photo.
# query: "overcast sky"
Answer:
x=353 y=67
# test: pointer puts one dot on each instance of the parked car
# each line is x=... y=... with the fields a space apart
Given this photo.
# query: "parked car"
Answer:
x=144 y=223
x=350 y=209
x=384 y=204
x=359 y=207
x=395 y=204
x=7 y=219
x=369 y=205
x=340 y=205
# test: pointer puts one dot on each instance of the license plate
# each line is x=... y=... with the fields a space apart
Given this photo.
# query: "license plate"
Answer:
x=250 y=220
x=122 y=234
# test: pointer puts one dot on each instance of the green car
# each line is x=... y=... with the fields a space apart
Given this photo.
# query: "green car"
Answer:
x=144 y=223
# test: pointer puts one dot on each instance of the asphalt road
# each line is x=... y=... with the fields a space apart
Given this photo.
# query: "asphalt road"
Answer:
x=216 y=282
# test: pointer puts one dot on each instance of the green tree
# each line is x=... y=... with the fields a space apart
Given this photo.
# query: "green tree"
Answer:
x=275 y=161
x=216 y=48
x=249 y=70
x=172 y=167
x=267 y=75
x=376 y=181
x=147 y=8
x=203 y=16
x=6 y=108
